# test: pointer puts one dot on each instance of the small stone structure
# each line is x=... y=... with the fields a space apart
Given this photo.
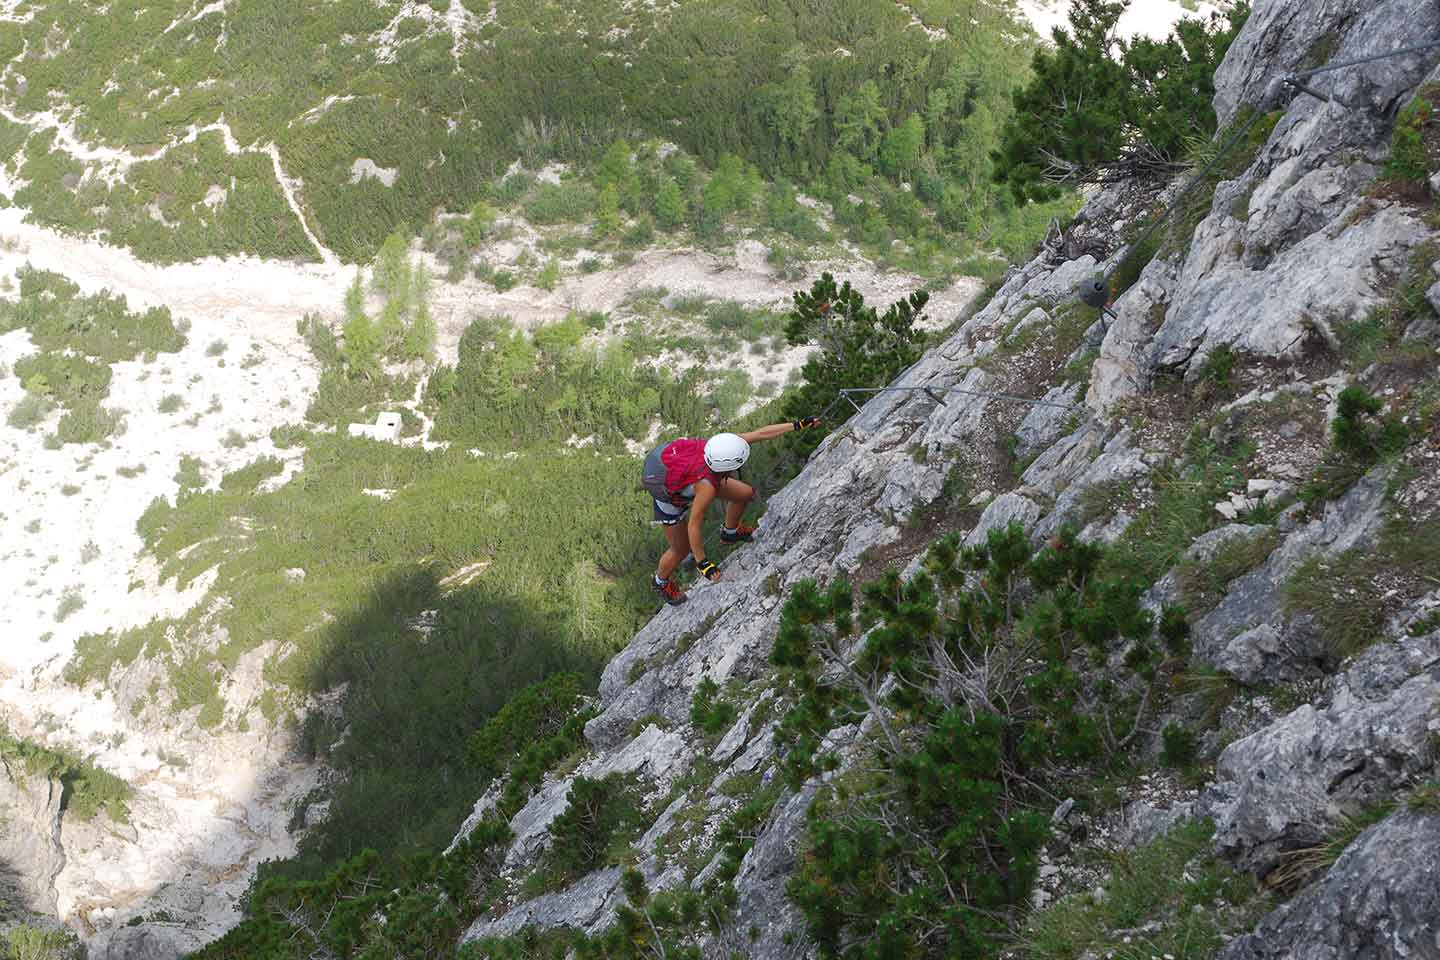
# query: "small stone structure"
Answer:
x=386 y=427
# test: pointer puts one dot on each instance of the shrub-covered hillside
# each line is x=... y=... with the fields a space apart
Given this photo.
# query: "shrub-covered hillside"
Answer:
x=152 y=121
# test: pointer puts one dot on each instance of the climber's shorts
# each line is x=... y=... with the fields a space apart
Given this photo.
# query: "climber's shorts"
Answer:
x=668 y=514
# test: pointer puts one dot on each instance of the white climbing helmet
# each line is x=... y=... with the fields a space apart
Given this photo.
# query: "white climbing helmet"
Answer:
x=725 y=452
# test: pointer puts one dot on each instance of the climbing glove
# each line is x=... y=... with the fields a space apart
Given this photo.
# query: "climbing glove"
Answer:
x=708 y=569
x=805 y=423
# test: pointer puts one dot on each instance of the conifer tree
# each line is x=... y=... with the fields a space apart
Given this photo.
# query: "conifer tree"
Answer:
x=607 y=212
x=362 y=341
x=420 y=334
x=669 y=205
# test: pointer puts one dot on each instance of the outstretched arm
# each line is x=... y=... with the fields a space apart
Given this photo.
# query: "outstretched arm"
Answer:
x=777 y=429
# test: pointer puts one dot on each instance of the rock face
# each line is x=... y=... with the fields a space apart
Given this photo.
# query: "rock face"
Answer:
x=1288 y=251
x=1293 y=247
x=1249 y=635
x=165 y=860
x=30 y=813
x=1372 y=733
x=1379 y=901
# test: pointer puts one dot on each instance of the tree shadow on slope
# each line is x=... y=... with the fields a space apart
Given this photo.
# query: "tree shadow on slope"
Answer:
x=416 y=672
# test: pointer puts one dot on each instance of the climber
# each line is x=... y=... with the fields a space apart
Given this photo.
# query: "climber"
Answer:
x=684 y=476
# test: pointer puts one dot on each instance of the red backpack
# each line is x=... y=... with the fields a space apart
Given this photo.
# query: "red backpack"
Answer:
x=672 y=467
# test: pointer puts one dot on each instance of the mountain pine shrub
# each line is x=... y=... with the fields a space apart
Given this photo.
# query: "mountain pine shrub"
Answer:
x=858 y=346
x=1358 y=430
x=973 y=674
x=600 y=816
x=1097 y=108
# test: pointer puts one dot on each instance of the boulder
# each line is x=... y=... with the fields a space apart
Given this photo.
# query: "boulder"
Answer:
x=1373 y=733
x=1379 y=901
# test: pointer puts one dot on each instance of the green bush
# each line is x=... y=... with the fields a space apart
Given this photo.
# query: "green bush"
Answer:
x=560 y=203
x=930 y=846
x=533 y=715
x=549 y=385
x=859 y=347
x=710 y=711
x=1409 y=159
x=88 y=424
x=1096 y=107
x=1219 y=368
x=101 y=326
x=1179 y=745
x=1358 y=431
x=600 y=818
x=477 y=226
x=30 y=411
x=71 y=601
x=34 y=943
x=190 y=476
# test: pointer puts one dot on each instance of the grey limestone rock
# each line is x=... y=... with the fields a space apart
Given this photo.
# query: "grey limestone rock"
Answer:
x=1290 y=248
x=1003 y=510
x=1288 y=36
x=1123 y=368
x=151 y=941
x=1276 y=789
x=1119 y=463
x=1380 y=901
x=1334 y=274
x=30 y=814
x=1143 y=822
x=1248 y=634
x=1043 y=425
x=763 y=876
x=1062 y=462
x=1037 y=283
x=586 y=904
x=1167 y=589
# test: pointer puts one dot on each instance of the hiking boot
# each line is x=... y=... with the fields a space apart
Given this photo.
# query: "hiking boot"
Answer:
x=688 y=563
x=669 y=591
x=743 y=534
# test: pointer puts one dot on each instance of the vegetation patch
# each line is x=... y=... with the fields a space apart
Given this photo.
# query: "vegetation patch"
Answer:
x=86 y=789
x=1299 y=867
x=28 y=942
x=196 y=200
x=78 y=337
x=929 y=840
x=1096 y=109
x=1184 y=902
x=1183 y=509
x=1351 y=595
x=1415 y=146
x=757 y=87
x=601 y=819
x=1203 y=583
x=711 y=713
